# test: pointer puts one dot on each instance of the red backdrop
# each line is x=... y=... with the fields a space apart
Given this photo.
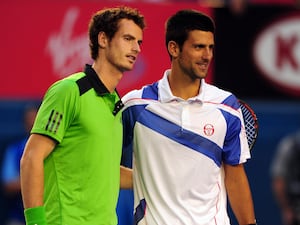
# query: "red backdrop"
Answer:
x=43 y=41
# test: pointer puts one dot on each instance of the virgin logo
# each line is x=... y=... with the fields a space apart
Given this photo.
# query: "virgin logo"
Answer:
x=209 y=129
x=276 y=53
x=69 y=52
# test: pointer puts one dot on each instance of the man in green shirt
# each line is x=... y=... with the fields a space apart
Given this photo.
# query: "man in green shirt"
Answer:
x=70 y=169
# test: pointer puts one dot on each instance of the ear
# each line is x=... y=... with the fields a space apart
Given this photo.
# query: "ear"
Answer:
x=173 y=49
x=102 y=39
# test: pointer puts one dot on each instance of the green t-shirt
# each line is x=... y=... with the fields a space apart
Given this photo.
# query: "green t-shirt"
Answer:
x=82 y=174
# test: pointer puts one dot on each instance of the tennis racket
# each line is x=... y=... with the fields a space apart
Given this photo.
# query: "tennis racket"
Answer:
x=251 y=123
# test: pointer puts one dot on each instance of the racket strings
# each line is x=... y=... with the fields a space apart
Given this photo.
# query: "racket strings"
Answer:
x=250 y=124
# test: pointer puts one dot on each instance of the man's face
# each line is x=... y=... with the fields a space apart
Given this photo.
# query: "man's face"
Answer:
x=196 y=54
x=125 y=45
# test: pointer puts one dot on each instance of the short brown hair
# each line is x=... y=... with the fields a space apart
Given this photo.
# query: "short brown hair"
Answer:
x=107 y=20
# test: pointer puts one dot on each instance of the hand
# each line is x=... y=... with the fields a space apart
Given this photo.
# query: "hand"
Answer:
x=288 y=216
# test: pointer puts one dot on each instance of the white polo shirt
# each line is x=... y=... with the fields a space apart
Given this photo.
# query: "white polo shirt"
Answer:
x=179 y=147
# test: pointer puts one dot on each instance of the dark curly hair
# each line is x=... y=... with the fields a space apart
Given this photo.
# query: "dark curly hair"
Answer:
x=107 y=20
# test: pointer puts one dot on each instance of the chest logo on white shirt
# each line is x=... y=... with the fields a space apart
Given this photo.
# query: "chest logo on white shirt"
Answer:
x=208 y=129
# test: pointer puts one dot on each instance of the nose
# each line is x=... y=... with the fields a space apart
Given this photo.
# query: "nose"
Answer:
x=136 y=47
x=207 y=53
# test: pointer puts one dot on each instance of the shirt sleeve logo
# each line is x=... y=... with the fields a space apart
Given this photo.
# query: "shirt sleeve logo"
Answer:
x=54 y=121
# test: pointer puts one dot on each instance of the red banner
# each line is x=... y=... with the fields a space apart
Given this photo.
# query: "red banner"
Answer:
x=43 y=41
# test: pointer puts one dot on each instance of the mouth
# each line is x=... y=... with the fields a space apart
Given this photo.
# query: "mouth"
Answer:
x=131 y=58
x=203 y=65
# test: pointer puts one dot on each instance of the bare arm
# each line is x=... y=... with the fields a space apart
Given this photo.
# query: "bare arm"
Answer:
x=278 y=185
x=239 y=194
x=36 y=150
x=126 y=178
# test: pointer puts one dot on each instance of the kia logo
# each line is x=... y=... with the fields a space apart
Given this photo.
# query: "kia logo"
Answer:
x=276 y=53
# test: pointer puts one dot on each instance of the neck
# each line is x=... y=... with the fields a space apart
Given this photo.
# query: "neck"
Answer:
x=183 y=87
x=109 y=77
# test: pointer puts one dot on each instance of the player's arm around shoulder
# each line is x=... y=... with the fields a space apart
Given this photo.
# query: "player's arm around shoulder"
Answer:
x=126 y=181
x=239 y=193
x=37 y=148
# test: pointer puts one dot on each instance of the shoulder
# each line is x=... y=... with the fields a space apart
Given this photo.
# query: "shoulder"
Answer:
x=146 y=92
x=214 y=92
x=219 y=95
x=290 y=141
x=132 y=95
x=68 y=82
x=64 y=87
x=287 y=146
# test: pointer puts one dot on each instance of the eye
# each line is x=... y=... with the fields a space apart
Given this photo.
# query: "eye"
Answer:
x=127 y=38
x=199 y=46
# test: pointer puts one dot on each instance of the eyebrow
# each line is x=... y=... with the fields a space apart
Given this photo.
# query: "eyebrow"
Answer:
x=133 y=38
